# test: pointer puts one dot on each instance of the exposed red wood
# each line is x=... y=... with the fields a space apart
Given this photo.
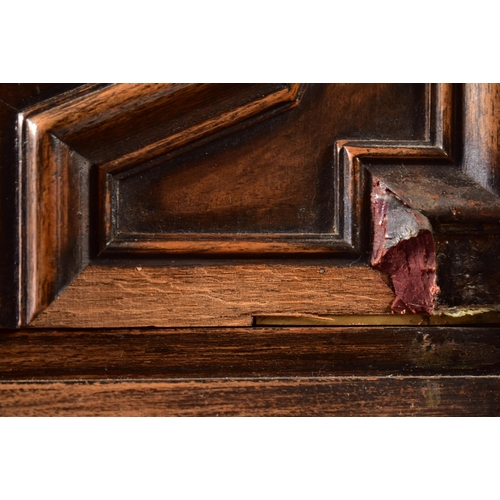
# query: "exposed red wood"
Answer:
x=403 y=247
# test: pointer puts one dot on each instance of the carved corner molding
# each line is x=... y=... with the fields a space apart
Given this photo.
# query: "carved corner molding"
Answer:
x=73 y=146
x=435 y=228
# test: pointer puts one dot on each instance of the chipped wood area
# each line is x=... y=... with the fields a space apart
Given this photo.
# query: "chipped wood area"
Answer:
x=217 y=295
x=444 y=249
x=404 y=248
x=360 y=396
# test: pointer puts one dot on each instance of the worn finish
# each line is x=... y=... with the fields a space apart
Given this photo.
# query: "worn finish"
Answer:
x=189 y=353
x=481 y=123
x=213 y=295
x=205 y=205
x=142 y=119
x=273 y=189
x=201 y=171
x=352 y=155
x=99 y=151
x=313 y=396
x=441 y=317
x=460 y=221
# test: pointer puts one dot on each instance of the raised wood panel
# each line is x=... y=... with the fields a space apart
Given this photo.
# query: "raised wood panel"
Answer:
x=91 y=162
x=274 y=189
x=196 y=173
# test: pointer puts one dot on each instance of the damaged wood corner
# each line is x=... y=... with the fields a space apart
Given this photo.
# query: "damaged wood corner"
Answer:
x=436 y=234
x=403 y=247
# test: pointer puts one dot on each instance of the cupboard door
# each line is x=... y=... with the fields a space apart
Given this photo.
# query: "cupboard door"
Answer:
x=173 y=205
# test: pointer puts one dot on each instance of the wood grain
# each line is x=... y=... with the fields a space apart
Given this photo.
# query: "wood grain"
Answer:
x=359 y=396
x=23 y=95
x=119 y=120
x=15 y=99
x=213 y=295
x=340 y=129
x=125 y=122
x=81 y=147
x=220 y=353
x=481 y=118
x=272 y=189
x=351 y=156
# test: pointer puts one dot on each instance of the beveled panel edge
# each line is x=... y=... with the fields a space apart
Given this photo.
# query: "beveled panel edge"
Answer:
x=231 y=244
x=349 y=157
x=110 y=237
x=424 y=150
x=44 y=164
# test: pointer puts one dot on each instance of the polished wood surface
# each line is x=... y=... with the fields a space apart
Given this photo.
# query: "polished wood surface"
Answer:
x=130 y=168
x=79 y=150
x=259 y=352
x=339 y=371
x=14 y=100
x=149 y=229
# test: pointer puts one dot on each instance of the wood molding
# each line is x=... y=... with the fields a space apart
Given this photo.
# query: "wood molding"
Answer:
x=250 y=352
x=351 y=156
x=15 y=100
x=460 y=223
x=65 y=141
x=79 y=144
x=425 y=176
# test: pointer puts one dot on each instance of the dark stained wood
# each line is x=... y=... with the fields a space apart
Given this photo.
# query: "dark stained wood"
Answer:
x=481 y=144
x=22 y=95
x=144 y=120
x=79 y=152
x=214 y=207
x=351 y=157
x=313 y=396
x=275 y=183
x=151 y=353
x=15 y=98
x=199 y=170
x=224 y=294
x=9 y=226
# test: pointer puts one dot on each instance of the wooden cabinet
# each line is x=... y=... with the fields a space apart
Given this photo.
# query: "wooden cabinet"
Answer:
x=249 y=249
